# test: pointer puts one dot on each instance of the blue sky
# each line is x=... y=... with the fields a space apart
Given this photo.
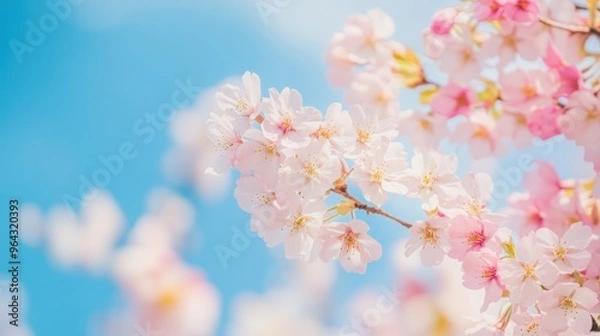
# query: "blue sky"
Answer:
x=78 y=94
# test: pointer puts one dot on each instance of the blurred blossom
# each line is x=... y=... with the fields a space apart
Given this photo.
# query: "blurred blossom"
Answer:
x=274 y=313
x=86 y=239
x=165 y=293
x=167 y=222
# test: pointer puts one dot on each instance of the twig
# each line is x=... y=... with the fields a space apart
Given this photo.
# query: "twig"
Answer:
x=343 y=191
x=571 y=28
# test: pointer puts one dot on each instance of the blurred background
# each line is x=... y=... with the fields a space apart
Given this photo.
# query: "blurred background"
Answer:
x=83 y=81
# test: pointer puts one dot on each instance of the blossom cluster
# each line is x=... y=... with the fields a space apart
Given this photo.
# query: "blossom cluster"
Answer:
x=514 y=71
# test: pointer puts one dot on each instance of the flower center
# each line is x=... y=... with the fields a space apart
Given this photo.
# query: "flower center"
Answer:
x=311 y=169
x=462 y=101
x=299 y=223
x=363 y=136
x=224 y=143
x=270 y=149
x=242 y=107
x=560 y=252
x=377 y=175
x=326 y=133
x=287 y=124
x=430 y=236
x=472 y=206
x=425 y=124
x=567 y=304
x=428 y=179
x=489 y=273
x=168 y=299
x=350 y=242
x=476 y=238
x=529 y=91
x=481 y=133
x=528 y=271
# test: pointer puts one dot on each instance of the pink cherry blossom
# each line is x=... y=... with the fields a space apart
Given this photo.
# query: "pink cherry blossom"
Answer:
x=526 y=212
x=580 y=122
x=244 y=101
x=524 y=89
x=481 y=271
x=488 y=10
x=443 y=21
x=256 y=196
x=522 y=11
x=569 y=75
x=351 y=244
x=337 y=129
x=431 y=238
x=479 y=131
x=260 y=154
x=366 y=35
x=376 y=90
x=461 y=61
x=543 y=183
x=529 y=324
x=432 y=178
x=514 y=126
x=371 y=130
x=567 y=305
x=424 y=130
x=287 y=121
x=569 y=252
x=512 y=40
x=468 y=234
x=524 y=274
x=473 y=199
x=298 y=227
x=225 y=131
x=453 y=100
x=543 y=122
x=341 y=63
x=381 y=173
x=313 y=170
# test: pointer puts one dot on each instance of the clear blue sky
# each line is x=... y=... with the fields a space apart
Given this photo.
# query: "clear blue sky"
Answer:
x=77 y=94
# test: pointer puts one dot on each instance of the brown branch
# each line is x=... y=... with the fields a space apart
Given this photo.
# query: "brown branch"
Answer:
x=571 y=28
x=343 y=191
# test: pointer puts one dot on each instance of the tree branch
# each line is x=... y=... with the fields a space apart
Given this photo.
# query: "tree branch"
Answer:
x=571 y=28
x=343 y=191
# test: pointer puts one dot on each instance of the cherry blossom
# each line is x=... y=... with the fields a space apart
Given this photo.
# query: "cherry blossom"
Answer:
x=524 y=274
x=431 y=238
x=431 y=178
x=453 y=100
x=382 y=173
x=481 y=271
x=245 y=101
x=287 y=121
x=350 y=243
x=567 y=306
x=225 y=132
x=569 y=252
x=468 y=234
